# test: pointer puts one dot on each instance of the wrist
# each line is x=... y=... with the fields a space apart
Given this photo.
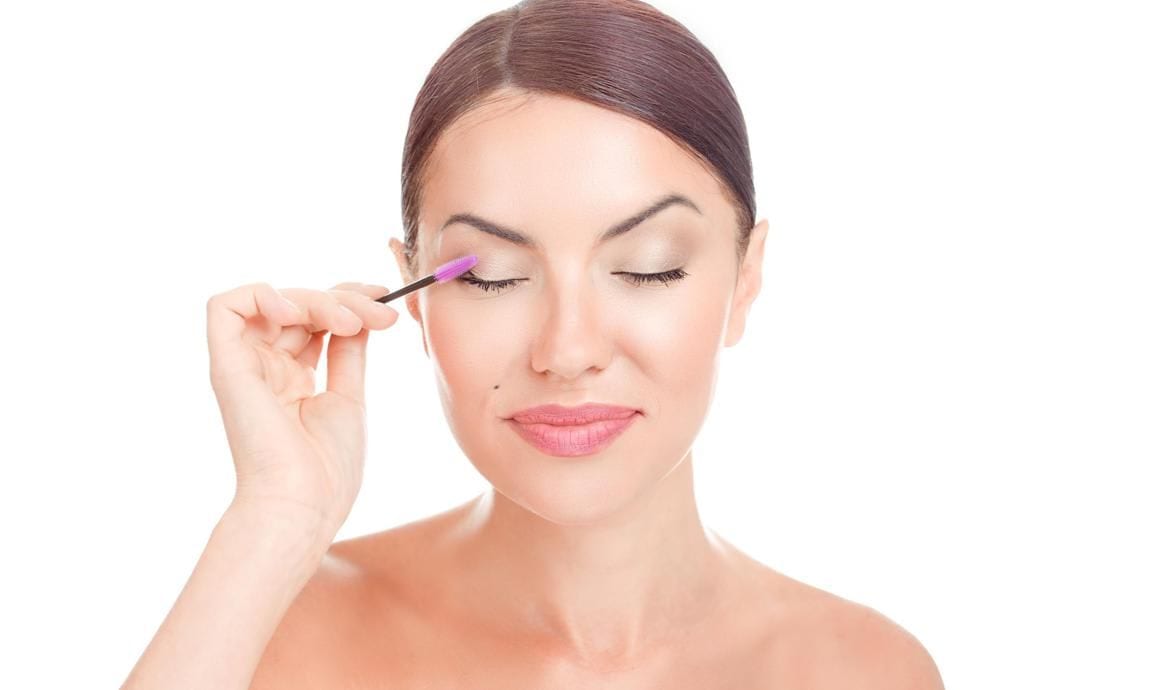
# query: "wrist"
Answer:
x=282 y=525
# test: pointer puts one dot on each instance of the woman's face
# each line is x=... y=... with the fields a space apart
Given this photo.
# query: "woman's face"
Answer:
x=572 y=328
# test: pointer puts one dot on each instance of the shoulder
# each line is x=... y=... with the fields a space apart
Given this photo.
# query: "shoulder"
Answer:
x=354 y=618
x=309 y=640
x=815 y=639
x=832 y=642
x=343 y=625
x=865 y=649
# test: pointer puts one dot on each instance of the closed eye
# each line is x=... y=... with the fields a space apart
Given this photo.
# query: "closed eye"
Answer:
x=666 y=278
x=487 y=285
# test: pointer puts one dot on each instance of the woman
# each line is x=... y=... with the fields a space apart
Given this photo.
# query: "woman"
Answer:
x=593 y=156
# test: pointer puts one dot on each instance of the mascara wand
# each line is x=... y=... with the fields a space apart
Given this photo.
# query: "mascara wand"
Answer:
x=448 y=271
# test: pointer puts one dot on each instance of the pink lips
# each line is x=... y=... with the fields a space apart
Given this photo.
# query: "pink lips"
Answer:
x=572 y=431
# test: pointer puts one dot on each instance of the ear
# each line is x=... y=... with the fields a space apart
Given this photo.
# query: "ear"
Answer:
x=399 y=251
x=750 y=281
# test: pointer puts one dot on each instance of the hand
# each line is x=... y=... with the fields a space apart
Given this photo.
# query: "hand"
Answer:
x=291 y=447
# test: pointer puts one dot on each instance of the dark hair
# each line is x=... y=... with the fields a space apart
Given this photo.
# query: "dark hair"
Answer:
x=619 y=54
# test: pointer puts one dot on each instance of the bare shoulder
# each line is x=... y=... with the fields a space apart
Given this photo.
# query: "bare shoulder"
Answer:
x=863 y=648
x=350 y=623
x=310 y=640
x=821 y=640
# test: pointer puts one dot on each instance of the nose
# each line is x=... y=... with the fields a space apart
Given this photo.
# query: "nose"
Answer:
x=571 y=337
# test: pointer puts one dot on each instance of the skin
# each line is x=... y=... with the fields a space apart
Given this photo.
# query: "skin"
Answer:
x=592 y=571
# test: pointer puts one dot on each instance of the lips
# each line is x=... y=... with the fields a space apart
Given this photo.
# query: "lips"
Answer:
x=558 y=415
x=573 y=431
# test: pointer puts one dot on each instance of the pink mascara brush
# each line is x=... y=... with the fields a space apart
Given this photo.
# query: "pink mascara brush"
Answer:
x=451 y=269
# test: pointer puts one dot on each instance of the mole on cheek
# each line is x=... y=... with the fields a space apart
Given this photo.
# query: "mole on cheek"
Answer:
x=497 y=386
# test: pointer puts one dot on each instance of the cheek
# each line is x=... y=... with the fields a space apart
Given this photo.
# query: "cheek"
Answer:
x=472 y=346
x=677 y=340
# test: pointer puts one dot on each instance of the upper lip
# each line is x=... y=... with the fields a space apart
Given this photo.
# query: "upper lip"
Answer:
x=563 y=416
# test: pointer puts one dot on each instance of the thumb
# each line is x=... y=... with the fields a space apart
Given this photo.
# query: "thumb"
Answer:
x=346 y=364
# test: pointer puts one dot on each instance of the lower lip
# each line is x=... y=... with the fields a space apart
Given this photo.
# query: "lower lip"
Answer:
x=573 y=440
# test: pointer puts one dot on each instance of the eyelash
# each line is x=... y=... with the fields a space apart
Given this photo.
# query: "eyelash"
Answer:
x=666 y=278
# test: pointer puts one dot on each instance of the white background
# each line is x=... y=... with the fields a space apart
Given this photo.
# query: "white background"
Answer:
x=939 y=409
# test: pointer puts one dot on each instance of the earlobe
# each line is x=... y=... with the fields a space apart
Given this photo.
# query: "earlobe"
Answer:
x=412 y=302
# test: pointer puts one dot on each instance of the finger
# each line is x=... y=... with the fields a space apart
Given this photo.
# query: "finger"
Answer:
x=228 y=317
x=237 y=375
x=309 y=355
x=357 y=298
x=374 y=315
x=346 y=362
x=361 y=298
x=347 y=355
x=322 y=311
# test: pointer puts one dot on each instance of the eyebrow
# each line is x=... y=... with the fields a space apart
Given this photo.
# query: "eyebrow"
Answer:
x=517 y=237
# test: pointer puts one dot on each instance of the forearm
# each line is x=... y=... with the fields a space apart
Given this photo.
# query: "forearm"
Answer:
x=255 y=563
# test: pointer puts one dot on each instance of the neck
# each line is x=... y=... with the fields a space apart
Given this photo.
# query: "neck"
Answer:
x=615 y=588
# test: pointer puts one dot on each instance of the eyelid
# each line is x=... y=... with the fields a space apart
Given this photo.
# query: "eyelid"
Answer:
x=638 y=279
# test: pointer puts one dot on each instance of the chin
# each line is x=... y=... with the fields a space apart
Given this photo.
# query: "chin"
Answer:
x=588 y=491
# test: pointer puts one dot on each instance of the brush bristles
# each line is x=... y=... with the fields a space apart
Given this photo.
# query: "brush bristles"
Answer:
x=456 y=268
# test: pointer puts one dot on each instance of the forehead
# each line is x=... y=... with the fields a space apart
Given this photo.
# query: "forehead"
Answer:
x=534 y=161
